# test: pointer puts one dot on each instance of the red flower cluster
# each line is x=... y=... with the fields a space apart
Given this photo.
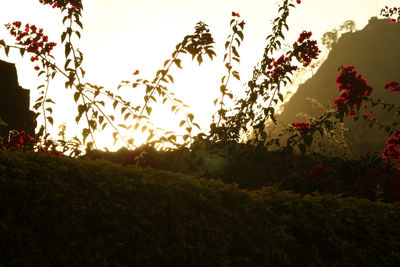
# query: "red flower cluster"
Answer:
x=298 y=2
x=393 y=148
x=390 y=13
x=24 y=142
x=75 y=4
x=235 y=14
x=241 y=24
x=32 y=38
x=302 y=127
x=305 y=49
x=354 y=90
x=393 y=85
x=303 y=36
x=319 y=172
x=365 y=115
x=278 y=68
x=19 y=141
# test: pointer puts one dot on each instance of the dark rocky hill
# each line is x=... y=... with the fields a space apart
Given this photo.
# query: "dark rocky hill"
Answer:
x=14 y=102
x=375 y=51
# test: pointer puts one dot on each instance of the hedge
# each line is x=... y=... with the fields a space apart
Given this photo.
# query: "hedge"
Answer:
x=60 y=211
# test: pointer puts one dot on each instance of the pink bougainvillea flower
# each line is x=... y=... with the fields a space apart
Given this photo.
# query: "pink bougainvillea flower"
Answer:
x=394 y=86
x=32 y=39
x=304 y=49
x=392 y=13
x=354 y=90
x=278 y=68
x=21 y=142
x=392 y=151
x=72 y=5
x=235 y=14
x=302 y=127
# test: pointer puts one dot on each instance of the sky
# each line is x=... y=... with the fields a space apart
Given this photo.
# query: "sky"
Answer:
x=122 y=36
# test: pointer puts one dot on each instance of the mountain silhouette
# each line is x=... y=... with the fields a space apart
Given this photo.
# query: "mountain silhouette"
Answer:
x=14 y=102
x=375 y=53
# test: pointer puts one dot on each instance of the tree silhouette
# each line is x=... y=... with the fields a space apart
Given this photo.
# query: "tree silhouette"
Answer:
x=330 y=38
x=348 y=26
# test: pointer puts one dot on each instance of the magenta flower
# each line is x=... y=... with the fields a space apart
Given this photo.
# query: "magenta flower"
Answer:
x=354 y=90
x=302 y=127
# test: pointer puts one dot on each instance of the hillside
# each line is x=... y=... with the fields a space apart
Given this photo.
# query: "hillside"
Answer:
x=374 y=51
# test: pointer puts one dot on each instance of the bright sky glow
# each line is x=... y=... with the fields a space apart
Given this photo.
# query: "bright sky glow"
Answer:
x=121 y=36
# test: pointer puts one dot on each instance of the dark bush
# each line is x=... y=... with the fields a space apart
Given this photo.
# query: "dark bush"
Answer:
x=59 y=211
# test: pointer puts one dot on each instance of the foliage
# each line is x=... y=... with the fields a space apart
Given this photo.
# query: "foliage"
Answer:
x=106 y=214
x=86 y=95
x=231 y=126
x=112 y=216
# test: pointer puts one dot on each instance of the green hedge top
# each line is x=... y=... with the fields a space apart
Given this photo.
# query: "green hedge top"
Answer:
x=59 y=211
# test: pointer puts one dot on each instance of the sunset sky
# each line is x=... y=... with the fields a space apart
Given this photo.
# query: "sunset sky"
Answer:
x=121 y=36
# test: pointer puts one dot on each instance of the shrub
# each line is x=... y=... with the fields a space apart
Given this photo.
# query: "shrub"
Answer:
x=58 y=211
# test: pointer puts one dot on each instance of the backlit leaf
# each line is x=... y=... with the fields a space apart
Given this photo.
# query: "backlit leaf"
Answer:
x=227 y=44
x=235 y=52
x=76 y=96
x=6 y=50
x=148 y=110
x=177 y=62
x=190 y=117
x=199 y=59
x=67 y=49
x=50 y=119
x=240 y=35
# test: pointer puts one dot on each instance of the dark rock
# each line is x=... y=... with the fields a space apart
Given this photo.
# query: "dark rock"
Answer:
x=14 y=102
x=375 y=52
